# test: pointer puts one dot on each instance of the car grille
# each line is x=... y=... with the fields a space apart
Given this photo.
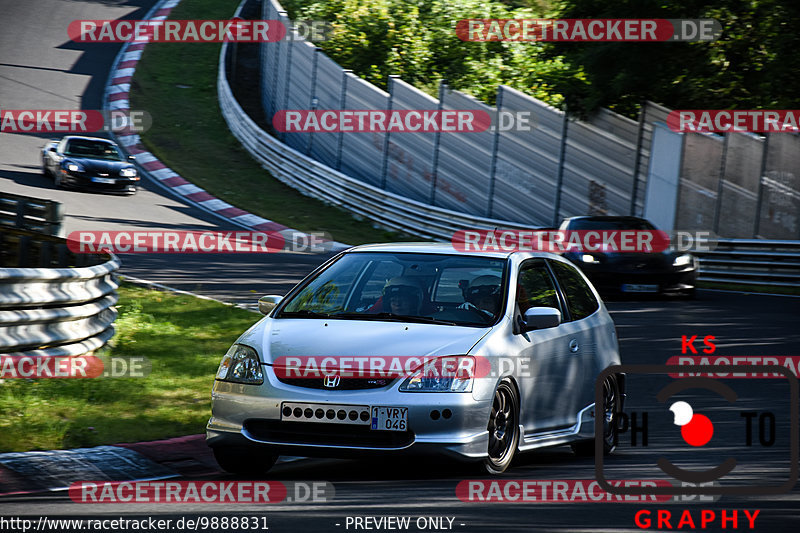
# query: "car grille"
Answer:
x=312 y=433
x=344 y=383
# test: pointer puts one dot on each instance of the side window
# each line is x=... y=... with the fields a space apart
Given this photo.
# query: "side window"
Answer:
x=580 y=299
x=535 y=287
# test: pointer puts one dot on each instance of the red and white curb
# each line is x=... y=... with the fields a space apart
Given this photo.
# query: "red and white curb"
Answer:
x=117 y=97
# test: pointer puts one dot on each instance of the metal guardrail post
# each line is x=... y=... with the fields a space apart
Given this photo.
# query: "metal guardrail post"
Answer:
x=436 y=140
x=314 y=101
x=385 y=163
x=760 y=197
x=637 y=158
x=495 y=145
x=342 y=103
x=722 y=164
x=288 y=73
x=562 y=154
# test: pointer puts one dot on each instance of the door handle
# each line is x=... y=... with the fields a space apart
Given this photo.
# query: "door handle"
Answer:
x=573 y=346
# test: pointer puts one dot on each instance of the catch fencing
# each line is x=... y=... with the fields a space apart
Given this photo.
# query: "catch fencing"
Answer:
x=738 y=185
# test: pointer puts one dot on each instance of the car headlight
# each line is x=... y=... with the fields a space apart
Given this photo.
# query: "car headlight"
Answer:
x=74 y=167
x=444 y=374
x=128 y=172
x=589 y=258
x=241 y=365
x=683 y=260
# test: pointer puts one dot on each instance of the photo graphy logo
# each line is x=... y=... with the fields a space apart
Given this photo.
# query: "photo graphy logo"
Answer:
x=702 y=430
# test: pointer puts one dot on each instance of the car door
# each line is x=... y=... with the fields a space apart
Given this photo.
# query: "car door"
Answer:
x=583 y=326
x=550 y=369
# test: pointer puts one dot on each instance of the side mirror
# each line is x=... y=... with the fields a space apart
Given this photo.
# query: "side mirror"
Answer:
x=541 y=318
x=131 y=158
x=267 y=303
x=52 y=149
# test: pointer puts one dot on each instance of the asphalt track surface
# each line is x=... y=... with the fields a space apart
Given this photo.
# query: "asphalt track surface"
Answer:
x=39 y=68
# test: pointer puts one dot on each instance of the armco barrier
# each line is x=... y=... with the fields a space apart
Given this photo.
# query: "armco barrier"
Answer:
x=753 y=262
x=35 y=214
x=59 y=308
x=324 y=183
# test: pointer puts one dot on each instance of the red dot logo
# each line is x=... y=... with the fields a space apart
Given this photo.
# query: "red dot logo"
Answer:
x=696 y=429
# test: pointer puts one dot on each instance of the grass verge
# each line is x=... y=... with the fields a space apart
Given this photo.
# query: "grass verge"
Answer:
x=176 y=84
x=184 y=339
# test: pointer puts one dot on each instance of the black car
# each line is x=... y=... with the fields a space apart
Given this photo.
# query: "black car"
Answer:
x=665 y=272
x=89 y=163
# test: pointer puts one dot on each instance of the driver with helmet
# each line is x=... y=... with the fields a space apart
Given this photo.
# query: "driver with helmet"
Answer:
x=483 y=294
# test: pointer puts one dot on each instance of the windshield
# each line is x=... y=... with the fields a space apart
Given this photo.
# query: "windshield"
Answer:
x=424 y=288
x=93 y=149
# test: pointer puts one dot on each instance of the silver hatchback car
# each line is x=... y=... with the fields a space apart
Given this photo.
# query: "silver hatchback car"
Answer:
x=420 y=349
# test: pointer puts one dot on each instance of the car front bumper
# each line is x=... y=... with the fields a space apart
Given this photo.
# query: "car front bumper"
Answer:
x=250 y=415
x=666 y=281
x=85 y=181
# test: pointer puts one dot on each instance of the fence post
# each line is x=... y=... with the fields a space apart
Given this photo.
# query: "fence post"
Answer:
x=288 y=75
x=342 y=103
x=637 y=158
x=560 y=177
x=385 y=164
x=274 y=103
x=436 y=136
x=718 y=203
x=314 y=101
x=760 y=196
x=495 y=144
x=54 y=218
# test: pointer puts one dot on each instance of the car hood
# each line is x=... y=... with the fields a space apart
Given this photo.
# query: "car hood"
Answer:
x=275 y=338
x=100 y=165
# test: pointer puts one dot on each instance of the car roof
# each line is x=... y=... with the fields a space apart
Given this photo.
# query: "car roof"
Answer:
x=442 y=248
x=620 y=218
x=84 y=138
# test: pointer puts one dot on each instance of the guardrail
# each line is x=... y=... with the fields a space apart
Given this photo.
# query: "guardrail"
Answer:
x=324 y=183
x=752 y=261
x=63 y=307
x=35 y=214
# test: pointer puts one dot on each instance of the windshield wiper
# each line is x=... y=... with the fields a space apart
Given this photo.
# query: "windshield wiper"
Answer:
x=394 y=318
x=304 y=313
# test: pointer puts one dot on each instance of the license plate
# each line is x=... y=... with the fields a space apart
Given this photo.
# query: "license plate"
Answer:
x=103 y=180
x=390 y=418
x=633 y=287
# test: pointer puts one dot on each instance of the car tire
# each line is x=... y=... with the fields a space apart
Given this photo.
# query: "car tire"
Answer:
x=503 y=429
x=611 y=410
x=45 y=170
x=59 y=184
x=238 y=460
